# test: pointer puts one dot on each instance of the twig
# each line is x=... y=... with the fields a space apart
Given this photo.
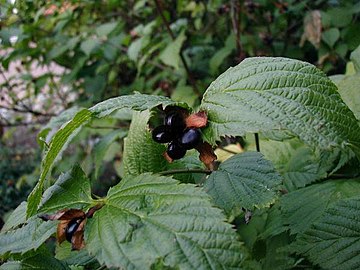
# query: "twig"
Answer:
x=167 y=26
x=235 y=20
x=186 y=171
x=257 y=142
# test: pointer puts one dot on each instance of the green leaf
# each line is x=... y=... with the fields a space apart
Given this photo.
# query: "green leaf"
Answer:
x=171 y=55
x=330 y=36
x=244 y=180
x=355 y=58
x=106 y=28
x=219 y=57
x=340 y=17
x=137 y=102
x=16 y=218
x=61 y=138
x=297 y=163
x=349 y=89
x=305 y=206
x=141 y=153
x=89 y=45
x=28 y=237
x=267 y=94
x=38 y=261
x=149 y=217
x=72 y=257
x=71 y=190
x=103 y=145
x=334 y=241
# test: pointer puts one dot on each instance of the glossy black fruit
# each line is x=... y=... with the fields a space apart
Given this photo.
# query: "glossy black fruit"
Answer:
x=175 y=151
x=175 y=122
x=162 y=134
x=190 y=138
x=71 y=228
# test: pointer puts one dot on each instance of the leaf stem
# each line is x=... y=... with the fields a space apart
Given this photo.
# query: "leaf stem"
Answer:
x=177 y=171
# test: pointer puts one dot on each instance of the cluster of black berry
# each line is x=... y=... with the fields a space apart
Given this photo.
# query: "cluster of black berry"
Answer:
x=175 y=133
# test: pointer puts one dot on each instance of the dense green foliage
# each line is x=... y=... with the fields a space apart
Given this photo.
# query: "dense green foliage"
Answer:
x=294 y=205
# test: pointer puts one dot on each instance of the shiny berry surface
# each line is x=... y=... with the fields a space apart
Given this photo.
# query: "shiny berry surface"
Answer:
x=175 y=151
x=162 y=134
x=71 y=228
x=190 y=138
x=175 y=122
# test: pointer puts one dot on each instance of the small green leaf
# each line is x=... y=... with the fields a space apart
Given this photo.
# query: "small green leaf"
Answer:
x=148 y=217
x=305 y=206
x=71 y=190
x=141 y=153
x=331 y=36
x=89 y=45
x=244 y=180
x=267 y=94
x=106 y=28
x=355 y=58
x=28 y=237
x=333 y=242
x=171 y=55
x=349 y=89
x=102 y=146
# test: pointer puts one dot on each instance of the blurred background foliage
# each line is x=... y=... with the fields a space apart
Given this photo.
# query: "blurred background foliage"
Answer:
x=60 y=56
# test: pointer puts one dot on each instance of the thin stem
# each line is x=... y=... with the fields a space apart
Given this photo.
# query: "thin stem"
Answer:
x=168 y=29
x=186 y=171
x=235 y=20
x=257 y=142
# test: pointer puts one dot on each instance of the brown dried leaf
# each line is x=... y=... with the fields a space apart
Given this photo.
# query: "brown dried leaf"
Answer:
x=207 y=155
x=196 y=120
x=312 y=28
x=65 y=214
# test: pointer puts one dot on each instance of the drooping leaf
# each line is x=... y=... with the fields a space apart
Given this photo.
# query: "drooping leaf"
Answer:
x=71 y=190
x=171 y=55
x=149 y=217
x=102 y=146
x=333 y=242
x=244 y=180
x=138 y=102
x=266 y=94
x=305 y=206
x=29 y=236
x=141 y=153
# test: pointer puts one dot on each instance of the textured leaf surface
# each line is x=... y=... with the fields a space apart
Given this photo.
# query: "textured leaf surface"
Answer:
x=244 y=180
x=305 y=206
x=16 y=218
x=141 y=152
x=38 y=261
x=334 y=241
x=71 y=190
x=148 y=217
x=137 y=102
x=28 y=237
x=264 y=94
x=297 y=163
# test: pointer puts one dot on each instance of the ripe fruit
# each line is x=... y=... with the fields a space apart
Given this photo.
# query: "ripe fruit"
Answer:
x=175 y=122
x=161 y=134
x=190 y=138
x=175 y=151
x=71 y=228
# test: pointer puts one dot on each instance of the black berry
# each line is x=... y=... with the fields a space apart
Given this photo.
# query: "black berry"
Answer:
x=175 y=122
x=71 y=228
x=175 y=151
x=162 y=134
x=190 y=138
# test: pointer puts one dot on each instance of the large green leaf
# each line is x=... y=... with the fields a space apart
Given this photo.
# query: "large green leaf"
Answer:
x=334 y=241
x=244 y=180
x=305 y=206
x=137 y=102
x=71 y=190
x=264 y=94
x=149 y=217
x=141 y=153
x=30 y=236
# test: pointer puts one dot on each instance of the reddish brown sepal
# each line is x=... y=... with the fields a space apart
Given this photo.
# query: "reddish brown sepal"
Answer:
x=65 y=214
x=166 y=156
x=196 y=120
x=207 y=155
x=77 y=241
